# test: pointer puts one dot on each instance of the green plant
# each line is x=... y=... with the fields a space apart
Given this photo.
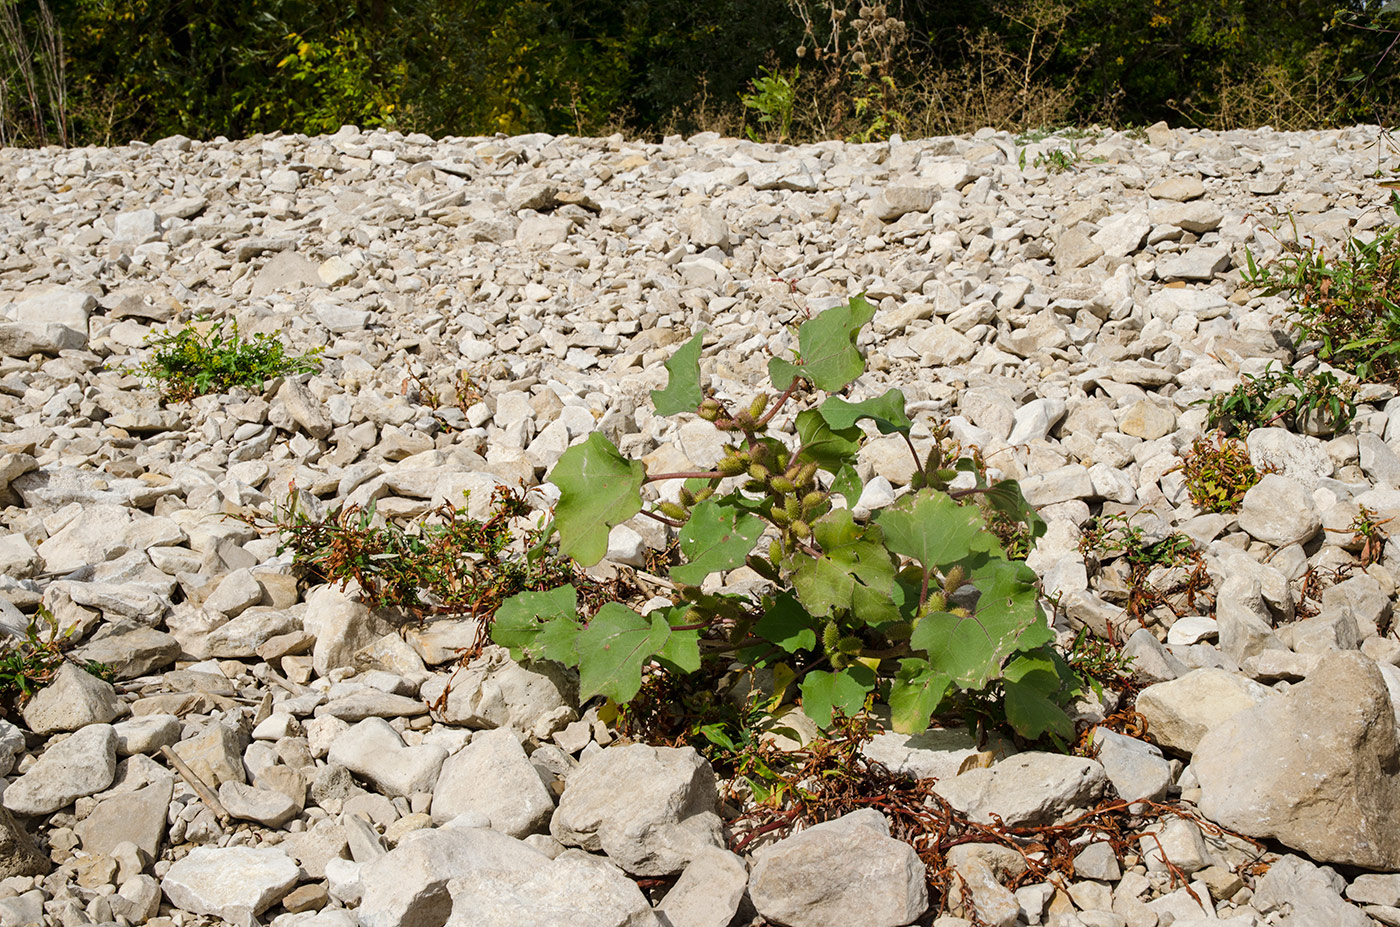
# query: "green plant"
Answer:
x=1318 y=402
x=919 y=606
x=1058 y=160
x=201 y=358
x=1367 y=531
x=444 y=562
x=1349 y=304
x=1218 y=473
x=1107 y=537
x=1099 y=662
x=28 y=662
x=772 y=96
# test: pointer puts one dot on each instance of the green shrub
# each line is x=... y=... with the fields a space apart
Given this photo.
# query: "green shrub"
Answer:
x=1218 y=473
x=201 y=358
x=920 y=606
x=28 y=662
x=1349 y=304
x=1318 y=402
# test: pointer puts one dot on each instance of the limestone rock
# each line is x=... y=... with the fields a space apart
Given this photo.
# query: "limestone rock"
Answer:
x=650 y=809
x=232 y=883
x=843 y=873
x=1028 y=789
x=492 y=775
x=1314 y=768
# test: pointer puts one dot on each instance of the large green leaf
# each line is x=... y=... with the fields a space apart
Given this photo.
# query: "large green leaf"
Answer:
x=848 y=484
x=931 y=527
x=823 y=693
x=598 y=488
x=971 y=649
x=1006 y=497
x=682 y=392
x=539 y=625
x=832 y=449
x=614 y=647
x=786 y=623
x=851 y=556
x=1031 y=682
x=915 y=694
x=716 y=537
x=886 y=411
x=827 y=344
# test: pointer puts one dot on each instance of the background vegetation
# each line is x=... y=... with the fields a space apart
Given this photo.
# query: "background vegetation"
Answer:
x=101 y=71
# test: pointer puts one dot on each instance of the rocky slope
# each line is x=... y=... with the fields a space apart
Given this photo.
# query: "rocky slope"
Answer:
x=1065 y=323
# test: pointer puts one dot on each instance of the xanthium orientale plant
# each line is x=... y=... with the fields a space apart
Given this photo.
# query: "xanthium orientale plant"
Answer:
x=919 y=605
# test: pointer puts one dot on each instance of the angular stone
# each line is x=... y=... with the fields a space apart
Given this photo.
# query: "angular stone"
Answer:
x=1180 y=189
x=84 y=763
x=847 y=872
x=137 y=817
x=73 y=699
x=130 y=649
x=1197 y=263
x=1306 y=895
x=493 y=776
x=1243 y=620
x=572 y=890
x=1180 y=712
x=895 y=201
x=937 y=753
x=1314 y=768
x=407 y=887
x=495 y=691
x=341 y=626
x=1136 y=768
x=650 y=809
x=215 y=753
x=375 y=752
x=232 y=883
x=1029 y=789
x=264 y=806
x=1280 y=511
x=708 y=892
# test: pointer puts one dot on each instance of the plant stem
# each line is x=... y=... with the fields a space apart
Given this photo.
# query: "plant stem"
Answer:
x=684 y=475
x=773 y=410
x=663 y=519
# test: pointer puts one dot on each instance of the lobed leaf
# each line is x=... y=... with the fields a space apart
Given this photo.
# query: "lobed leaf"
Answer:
x=682 y=392
x=716 y=537
x=786 y=623
x=886 y=411
x=972 y=649
x=932 y=528
x=827 y=343
x=1030 y=682
x=614 y=647
x=539 y=625
x=916 y=692
x=824 y=693
x=598 y=488
x=832 y=449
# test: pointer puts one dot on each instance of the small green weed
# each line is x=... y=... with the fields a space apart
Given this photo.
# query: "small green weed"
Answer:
x=1218 y=473
x=772 y=98
x=1099 y=662
x=201 y=358
x=1319 y=402
x=28 y=663
x=1350 y=303
x=1107 y=537
x=445 y=562
x=1368 y=531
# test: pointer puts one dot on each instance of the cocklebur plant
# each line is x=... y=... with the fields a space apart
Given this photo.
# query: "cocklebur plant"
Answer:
x=919 y=605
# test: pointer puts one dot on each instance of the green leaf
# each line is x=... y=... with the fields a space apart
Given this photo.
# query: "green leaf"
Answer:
x=539 y=625
x=827 y=345
x=682 y=392
x=614 y=647
x=971 y=649
x=915 y=694
x=1030 y=682
x=886 y=411
x=682 y=651
x=1006 y=497
x=932 y=528
x=782 y=372
x=598 y=488
x=715 y=538
x=850 y=556
x=848 y=484
x=832 y=449
x=786 y=623
x=823 y=693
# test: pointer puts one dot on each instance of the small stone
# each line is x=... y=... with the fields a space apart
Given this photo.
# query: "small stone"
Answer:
x=1098 y=861
x=708 y=892
x=1180 y=189
x=1280 y=511
x=492 y=775
x=83 y=764
x=375 y=752
x=232 y=883
x=847 y=872
x=1029 y=789
x=73 y=699
x=264 y=806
